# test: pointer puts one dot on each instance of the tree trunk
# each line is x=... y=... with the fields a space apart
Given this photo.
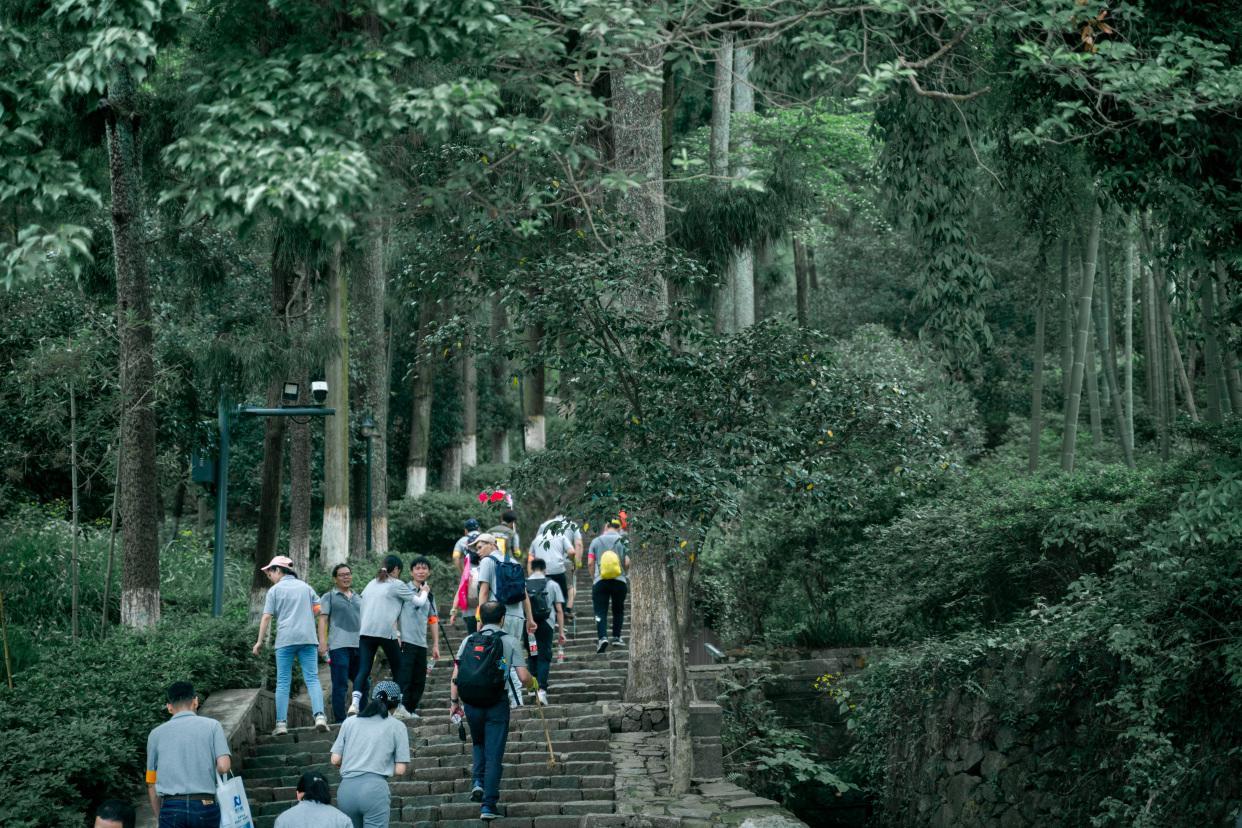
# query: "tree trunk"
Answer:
x=1228 y=359
x=1093 y=390
x=812 y=271
x=270 y=490
x=75 y=519
x=371 y=349
x=469 y=402
x=1067 y=323
x=1037 y=374
x=533 y=394
x=1110 y=381
x=450 y=469
x=655 y=650
x=742 y=263
x=1157 y=357
x=1175 y=358
x=802 y=305
x=178 y=505
x=420 y=415
x=334 y=540
x=1131 y=266
x=1069 y=439
x=1212 y=363
x=496 y=330
x=300 y=480
x=140 y=579
x=722 y=108
x=274 y=428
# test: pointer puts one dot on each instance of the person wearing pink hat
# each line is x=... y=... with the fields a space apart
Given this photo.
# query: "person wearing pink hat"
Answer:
x=295 y=605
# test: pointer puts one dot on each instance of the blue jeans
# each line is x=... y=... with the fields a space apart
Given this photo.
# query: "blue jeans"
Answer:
x=344 y=667
x=180 y=813
x=489 y=731
x=307 y=655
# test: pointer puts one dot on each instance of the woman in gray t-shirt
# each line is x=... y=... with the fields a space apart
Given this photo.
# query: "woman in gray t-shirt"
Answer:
x=381 y=605
x=370 y=748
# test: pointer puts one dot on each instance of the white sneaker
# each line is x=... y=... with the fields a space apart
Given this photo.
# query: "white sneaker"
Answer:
x=321 y=723
x=603 y=645
x=281 y=729
x=401 y=714
x=618 y=642
x=353 y=709
x=414 y=714
x=543 y=697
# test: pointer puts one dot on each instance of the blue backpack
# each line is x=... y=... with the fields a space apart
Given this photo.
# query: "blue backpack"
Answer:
x=510 y=581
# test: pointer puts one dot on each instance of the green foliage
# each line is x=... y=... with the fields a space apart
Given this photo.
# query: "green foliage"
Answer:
x=76 y=725
x=762 y=752
x=485 y=476
x=1029 y=538
x=431 y=524
x=1138 y=694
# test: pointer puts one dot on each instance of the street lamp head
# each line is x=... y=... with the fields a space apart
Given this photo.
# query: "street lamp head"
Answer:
x=319 y=392
x=289 y=395
x=367 y=429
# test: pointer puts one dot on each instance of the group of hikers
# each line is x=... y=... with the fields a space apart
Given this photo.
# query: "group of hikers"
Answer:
x=514 y=607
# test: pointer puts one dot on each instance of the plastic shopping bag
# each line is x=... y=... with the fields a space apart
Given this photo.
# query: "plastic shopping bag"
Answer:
x=234 y=806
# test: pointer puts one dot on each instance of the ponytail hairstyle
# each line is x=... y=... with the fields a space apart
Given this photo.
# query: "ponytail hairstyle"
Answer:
x=391 y=564
x=384 y=699
x=314 y=788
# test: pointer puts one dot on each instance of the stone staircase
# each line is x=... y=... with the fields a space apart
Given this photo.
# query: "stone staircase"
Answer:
x=578 y=790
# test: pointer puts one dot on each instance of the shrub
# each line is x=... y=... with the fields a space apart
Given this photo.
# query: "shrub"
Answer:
x=431 y=524
x=76 y=725
x=486 y=476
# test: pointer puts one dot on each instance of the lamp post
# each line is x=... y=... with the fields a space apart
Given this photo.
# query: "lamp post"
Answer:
x=225 y=416
x=368 y=432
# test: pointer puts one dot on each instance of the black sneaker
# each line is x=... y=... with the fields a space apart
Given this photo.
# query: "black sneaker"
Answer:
x=603 y=645
x=476 y=793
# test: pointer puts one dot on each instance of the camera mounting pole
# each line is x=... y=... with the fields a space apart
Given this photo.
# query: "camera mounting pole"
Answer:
x=225 y=416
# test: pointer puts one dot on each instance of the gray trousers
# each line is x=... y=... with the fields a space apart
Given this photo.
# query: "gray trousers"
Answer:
x=365 y=800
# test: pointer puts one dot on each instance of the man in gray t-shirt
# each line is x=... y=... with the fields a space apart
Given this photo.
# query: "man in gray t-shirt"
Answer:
x=339 y=624
x=517 y=615
x=183 y=757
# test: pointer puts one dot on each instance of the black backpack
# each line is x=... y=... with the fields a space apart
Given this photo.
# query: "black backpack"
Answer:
x=540 y=605
x=510 y=581
x=481 y=672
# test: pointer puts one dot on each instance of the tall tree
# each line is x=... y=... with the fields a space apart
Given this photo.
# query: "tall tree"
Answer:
x=1069 y=438
x=802 y=306
x=1067 y=321
x=1131 y=265
x=499 y=370
x=718 y=158
x=742 y=260
x=420 y=414
x=334 y=540
x=533 y=395
x=370 y=347
x=1213 y=365
x=1037 y=370
x=140 y=579
x=469 y=400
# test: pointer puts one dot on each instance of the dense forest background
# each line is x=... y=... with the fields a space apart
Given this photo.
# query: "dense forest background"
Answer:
x=905 y=325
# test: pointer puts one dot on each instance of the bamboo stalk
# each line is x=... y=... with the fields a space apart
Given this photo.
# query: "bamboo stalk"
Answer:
x=4 y=632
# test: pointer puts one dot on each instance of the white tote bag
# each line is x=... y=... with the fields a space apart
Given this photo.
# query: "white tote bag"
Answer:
x=234 y=807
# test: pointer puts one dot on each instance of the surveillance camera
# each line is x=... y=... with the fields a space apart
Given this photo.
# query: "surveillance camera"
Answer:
x=319 y=392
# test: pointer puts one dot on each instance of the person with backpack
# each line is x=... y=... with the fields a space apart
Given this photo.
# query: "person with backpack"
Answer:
x=506 y=534
x=295 y=606
x=416 y=617
x=559 y=543
x=503 y=579
x=547 y=606
x=483 y=680
x=467 y=578
x=369 y=749
x=382 y=600
x=610 y=558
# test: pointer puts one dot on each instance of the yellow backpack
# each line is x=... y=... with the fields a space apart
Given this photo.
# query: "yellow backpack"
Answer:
x=609 y=565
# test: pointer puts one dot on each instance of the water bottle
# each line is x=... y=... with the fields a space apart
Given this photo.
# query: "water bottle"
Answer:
x=456 y=718
x=560 y=654
x=534 y=649
x=431 y=664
